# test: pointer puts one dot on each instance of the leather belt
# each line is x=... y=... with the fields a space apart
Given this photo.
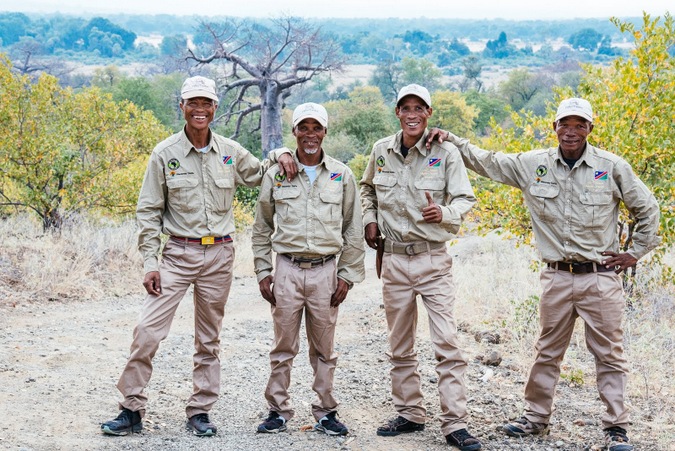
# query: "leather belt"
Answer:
x=579 y=267
x=418 y=247
x=307 y=262
x=207 y=240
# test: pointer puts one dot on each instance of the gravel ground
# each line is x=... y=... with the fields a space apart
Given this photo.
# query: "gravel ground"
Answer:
x=59 y=363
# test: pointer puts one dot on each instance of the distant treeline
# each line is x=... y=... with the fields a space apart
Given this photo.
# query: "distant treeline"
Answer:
x=363 y=41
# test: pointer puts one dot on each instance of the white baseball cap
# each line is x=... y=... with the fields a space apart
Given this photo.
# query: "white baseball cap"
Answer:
x=313 y=110
x=199 y=87
x=414 y=90
x=575 y=107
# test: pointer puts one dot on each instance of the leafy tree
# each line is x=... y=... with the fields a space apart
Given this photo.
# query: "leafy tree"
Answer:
x=606 y=47
x=141 y=92
x=634 y=103
x=265 y=63
x=364 y=117
x=107 y=77
x=489 y=107
x=173 y=45
x=451 y=112
x=522 y=89
x=113 y=32
x=386 y=77
x=472 y=69
x=62 y=153
x=419 y=42
x=587 y=39
x=420 y=71
x=459 y=47
x=499 y=48
x=13 y=26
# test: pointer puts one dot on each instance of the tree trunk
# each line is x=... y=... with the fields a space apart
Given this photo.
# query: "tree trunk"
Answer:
x=270 y=116
x=51 y=220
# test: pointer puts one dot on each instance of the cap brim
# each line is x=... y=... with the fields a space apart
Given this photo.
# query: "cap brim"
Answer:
x=575 y=113
x=308 y=116
x=193 y=94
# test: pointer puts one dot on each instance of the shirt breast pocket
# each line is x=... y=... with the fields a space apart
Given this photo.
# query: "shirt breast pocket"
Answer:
x=287 y=205
x=435 y=187
x=331 y=207
x=385 y=186
x=597 y=208
x=543 y=200
x=223 y=194
x=183 y=194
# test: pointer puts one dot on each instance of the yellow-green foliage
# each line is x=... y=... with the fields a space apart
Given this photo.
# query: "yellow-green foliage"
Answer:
x=451 y=112
x=243 y=214
x=63 y=152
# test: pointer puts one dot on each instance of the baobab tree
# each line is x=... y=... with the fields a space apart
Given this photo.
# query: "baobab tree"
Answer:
x=265 y=60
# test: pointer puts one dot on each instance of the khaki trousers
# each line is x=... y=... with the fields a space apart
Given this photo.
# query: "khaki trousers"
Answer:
x=598 y=299
x=296 y=291
x=429 y=275
x=209 y=268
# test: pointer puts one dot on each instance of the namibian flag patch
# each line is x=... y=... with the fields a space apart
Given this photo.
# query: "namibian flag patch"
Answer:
x=336 y=176
x=227 y=159
x=600 y=175
x=434 y=162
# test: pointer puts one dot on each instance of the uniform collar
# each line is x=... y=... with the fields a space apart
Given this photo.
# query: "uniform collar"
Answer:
x=188 y=146
x=421 y=145
x=586 y=156
x=301 y=166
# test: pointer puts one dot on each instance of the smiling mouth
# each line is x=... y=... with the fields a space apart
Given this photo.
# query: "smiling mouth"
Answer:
x=199 y=118
x=412 y=124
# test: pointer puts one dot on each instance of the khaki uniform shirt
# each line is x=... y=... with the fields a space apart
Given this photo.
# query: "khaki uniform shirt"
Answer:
x=574 y=211
x=189 y=194
x=312 y=220
x=392 y=190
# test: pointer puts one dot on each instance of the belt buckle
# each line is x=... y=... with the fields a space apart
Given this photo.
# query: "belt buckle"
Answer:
x=305 y=265
x=410 y=249
x=208 y=240
x=576 y=265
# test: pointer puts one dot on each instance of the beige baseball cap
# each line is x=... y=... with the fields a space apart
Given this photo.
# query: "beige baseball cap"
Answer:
x=414 y=90
x=575 y=107
x=199 y=87
x=313 y=110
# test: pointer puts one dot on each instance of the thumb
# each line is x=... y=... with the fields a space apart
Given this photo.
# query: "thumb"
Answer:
x=430 y=200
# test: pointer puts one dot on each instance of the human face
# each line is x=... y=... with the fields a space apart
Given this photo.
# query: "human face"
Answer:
x=309 y=134
x=414 y=115
x=572 y=132
x=198 y=112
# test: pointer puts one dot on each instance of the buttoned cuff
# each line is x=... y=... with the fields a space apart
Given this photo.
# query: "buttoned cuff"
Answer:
x=263 y=273
x=349 y=284
x=369 y=217
x=451 y=221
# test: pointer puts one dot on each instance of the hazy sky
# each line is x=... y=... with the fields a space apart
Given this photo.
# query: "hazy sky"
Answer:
x=465 y=9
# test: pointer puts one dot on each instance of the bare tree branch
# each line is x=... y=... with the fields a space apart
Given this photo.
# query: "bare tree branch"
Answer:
x=271 y=57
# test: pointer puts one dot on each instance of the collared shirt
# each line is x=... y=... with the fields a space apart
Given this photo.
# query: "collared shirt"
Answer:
x=393 y=187
x=188 y=193
x=312 y=219
x=574 y=211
